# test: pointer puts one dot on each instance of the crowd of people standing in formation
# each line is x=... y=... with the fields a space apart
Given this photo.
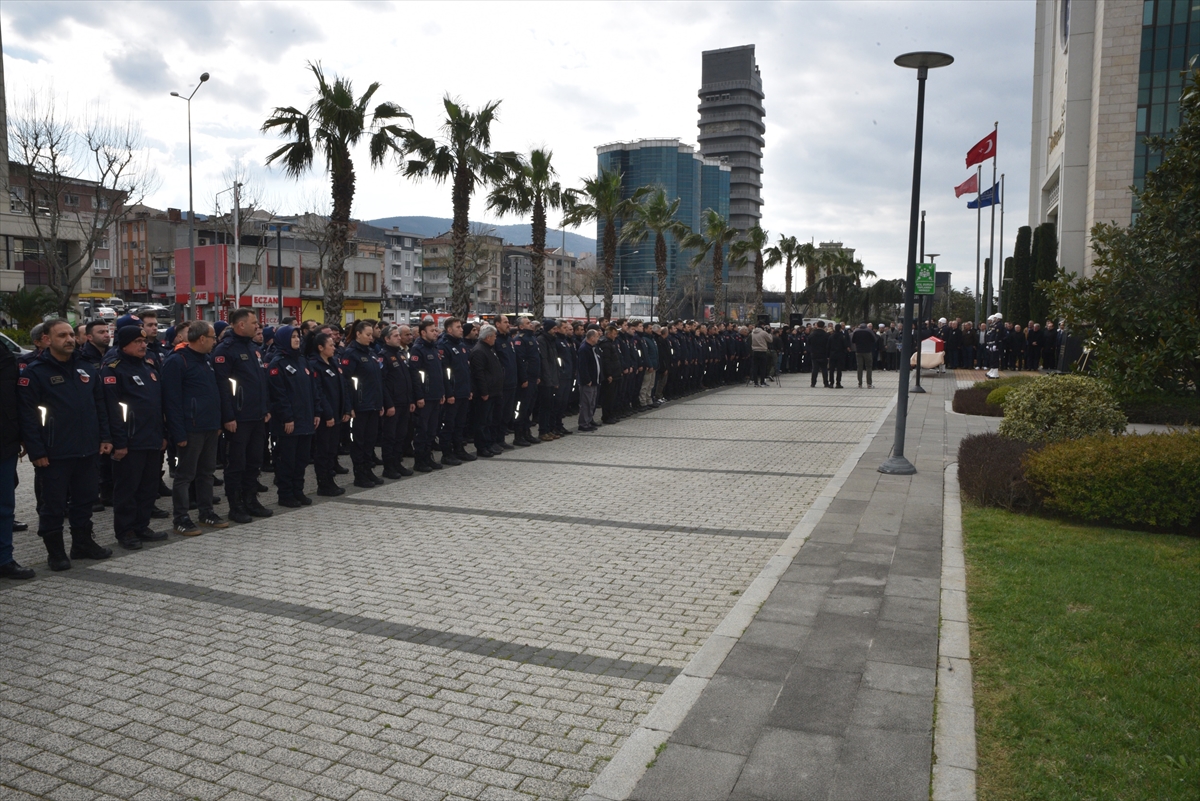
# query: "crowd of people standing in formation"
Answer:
x=97 y=418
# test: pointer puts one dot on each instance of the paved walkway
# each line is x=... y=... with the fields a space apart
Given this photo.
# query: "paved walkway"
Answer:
x=828 y=693
x=492 y=631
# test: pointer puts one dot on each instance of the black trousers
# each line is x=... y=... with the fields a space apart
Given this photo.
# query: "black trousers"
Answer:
x=456 y=417
x=325 y=449
x=547 y=408
x=608 y=400
x=836 y=362
x=69 y=490
x=820 y=366
x=392 y=433
x=245 y=456
x=429 y=417
x=483 y=416
x=505 y=415
x=523 y=411
x=135 y=489
x=362 y=443
x=760 y=366
x=291 y=461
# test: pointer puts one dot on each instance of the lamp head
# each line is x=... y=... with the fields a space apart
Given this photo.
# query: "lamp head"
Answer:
x=204 y=76
x=175 y=94
x=924 y=59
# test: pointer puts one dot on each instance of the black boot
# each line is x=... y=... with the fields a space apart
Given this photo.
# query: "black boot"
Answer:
x=390 y=472
x=449 y=459
x=422 y=465
x=401 y=469
x=252 y=506
x=237 y=510
x=84 y=547
x=462 y=455
x=364 y=480
x=129 y=541
x=56 y=552
x=328 y=489
x=339 y=470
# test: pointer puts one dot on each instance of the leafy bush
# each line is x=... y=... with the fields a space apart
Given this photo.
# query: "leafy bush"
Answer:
x=18 y=335
x=974 y=401
x=1058 y=407
x=1151 y=480
x=990 y=472
x=997 y=396
x=1009 y=381
x=1170 y=410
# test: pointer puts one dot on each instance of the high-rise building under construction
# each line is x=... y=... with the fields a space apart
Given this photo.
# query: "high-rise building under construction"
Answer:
x=731 y=127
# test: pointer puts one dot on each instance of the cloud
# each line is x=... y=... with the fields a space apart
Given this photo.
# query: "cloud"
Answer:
x=144 y=70
x=40 y=20
x=23 y=53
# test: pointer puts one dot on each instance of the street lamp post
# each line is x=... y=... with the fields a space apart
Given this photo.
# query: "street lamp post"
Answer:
x=897 y=464
x=191 y=204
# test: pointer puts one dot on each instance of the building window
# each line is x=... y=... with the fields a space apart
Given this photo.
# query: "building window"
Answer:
x=310 y=279
x=364 y=282
x=70 y=200
x=100 y=265
x=289 y=277
x=97 y=283
x=16 y=199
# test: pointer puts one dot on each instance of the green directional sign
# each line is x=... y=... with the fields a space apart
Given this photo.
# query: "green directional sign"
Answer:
x=925 y=279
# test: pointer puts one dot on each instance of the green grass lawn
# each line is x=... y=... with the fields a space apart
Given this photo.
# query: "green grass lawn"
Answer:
x=1085 y=644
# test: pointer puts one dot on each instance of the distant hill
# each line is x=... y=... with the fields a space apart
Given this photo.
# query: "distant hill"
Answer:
x=513 y=234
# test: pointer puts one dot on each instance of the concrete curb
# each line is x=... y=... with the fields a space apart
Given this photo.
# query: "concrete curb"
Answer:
x=619 y=778
x=954 y=756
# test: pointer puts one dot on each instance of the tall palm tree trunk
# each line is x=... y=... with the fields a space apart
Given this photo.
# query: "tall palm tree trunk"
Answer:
x=342 y=178
x=610 y=258
x=718 y=284
x=460 y=297
x=759 y=308
x=660 y=268
x=787 y=291
x=539 y=258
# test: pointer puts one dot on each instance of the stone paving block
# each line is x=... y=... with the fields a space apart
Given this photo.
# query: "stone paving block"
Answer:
x=815 y=700
x=900 y=678
x=685 y=773
x=838 y=642
x=789 y=764
x=729 y=714
x=884 y=765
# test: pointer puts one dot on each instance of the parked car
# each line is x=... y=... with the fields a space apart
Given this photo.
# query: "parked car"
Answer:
x=116 y=303
x=16 y=349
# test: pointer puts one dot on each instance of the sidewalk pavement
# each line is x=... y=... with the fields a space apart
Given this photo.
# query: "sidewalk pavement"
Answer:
x=829 y=691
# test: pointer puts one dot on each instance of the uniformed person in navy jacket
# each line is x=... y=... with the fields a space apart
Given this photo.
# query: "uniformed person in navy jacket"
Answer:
x=64 y=426
x=133 y=396
x=335 y=409
x=245 y=401
x=398 y=402
x=294 y=415
x=429 y=393
x=365 y=377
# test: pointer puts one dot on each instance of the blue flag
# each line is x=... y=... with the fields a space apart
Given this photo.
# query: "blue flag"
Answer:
x=987 y=198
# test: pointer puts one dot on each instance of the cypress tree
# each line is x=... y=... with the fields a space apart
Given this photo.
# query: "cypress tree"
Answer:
x=1045 y=266
x=1019 y=290
x=1006 y=289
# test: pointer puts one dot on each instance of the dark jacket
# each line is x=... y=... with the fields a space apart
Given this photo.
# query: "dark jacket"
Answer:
x=397 y=380
x=529 y=359
x=610 y=359
x=190 y=399
x=589 y=365
x=839 y=345
x=238 y=359
x=507 y=353
x=487 y=372
x=566 y=362
x=10 y=419
x=425 y=369
x=818 y=344
x=863 y=340
x=76 y=419
x=548 y=356
x=455 y=354
x=293 y=388
x=133 y=396
x=364 y=378
x=334 y=399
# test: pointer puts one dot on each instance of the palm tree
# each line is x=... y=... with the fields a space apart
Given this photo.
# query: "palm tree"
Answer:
x=531 y=189
x=785 y=252
x=713 y=238
x=754 y=241
x=334 y=122
x=656 y=215
x=463 y=156
x=600 y=200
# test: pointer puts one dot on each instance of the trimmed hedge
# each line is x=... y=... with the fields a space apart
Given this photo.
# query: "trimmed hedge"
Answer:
x=975 y=401
x=990 y=472
x=998 y=395
x=1059 y=407
x=1150 y=480
x=1010 y=381
x=1170 y=410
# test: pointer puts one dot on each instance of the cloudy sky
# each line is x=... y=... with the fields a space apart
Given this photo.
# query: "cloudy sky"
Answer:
x=572 y=75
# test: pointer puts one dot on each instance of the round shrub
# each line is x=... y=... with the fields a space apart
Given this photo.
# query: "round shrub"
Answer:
x=1150 y=480
x=1060 y=407
x=997 y=396
x=974 y=401
x=990 y=472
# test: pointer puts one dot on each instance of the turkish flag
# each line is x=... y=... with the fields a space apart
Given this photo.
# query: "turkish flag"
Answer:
x=969 y=185
x=985 y=149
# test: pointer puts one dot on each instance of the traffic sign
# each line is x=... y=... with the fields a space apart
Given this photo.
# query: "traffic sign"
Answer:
x=926 y=282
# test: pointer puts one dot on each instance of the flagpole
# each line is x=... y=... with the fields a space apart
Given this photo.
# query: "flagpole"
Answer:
x=1000 y=257
x=990 y=275
x=978 y=235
